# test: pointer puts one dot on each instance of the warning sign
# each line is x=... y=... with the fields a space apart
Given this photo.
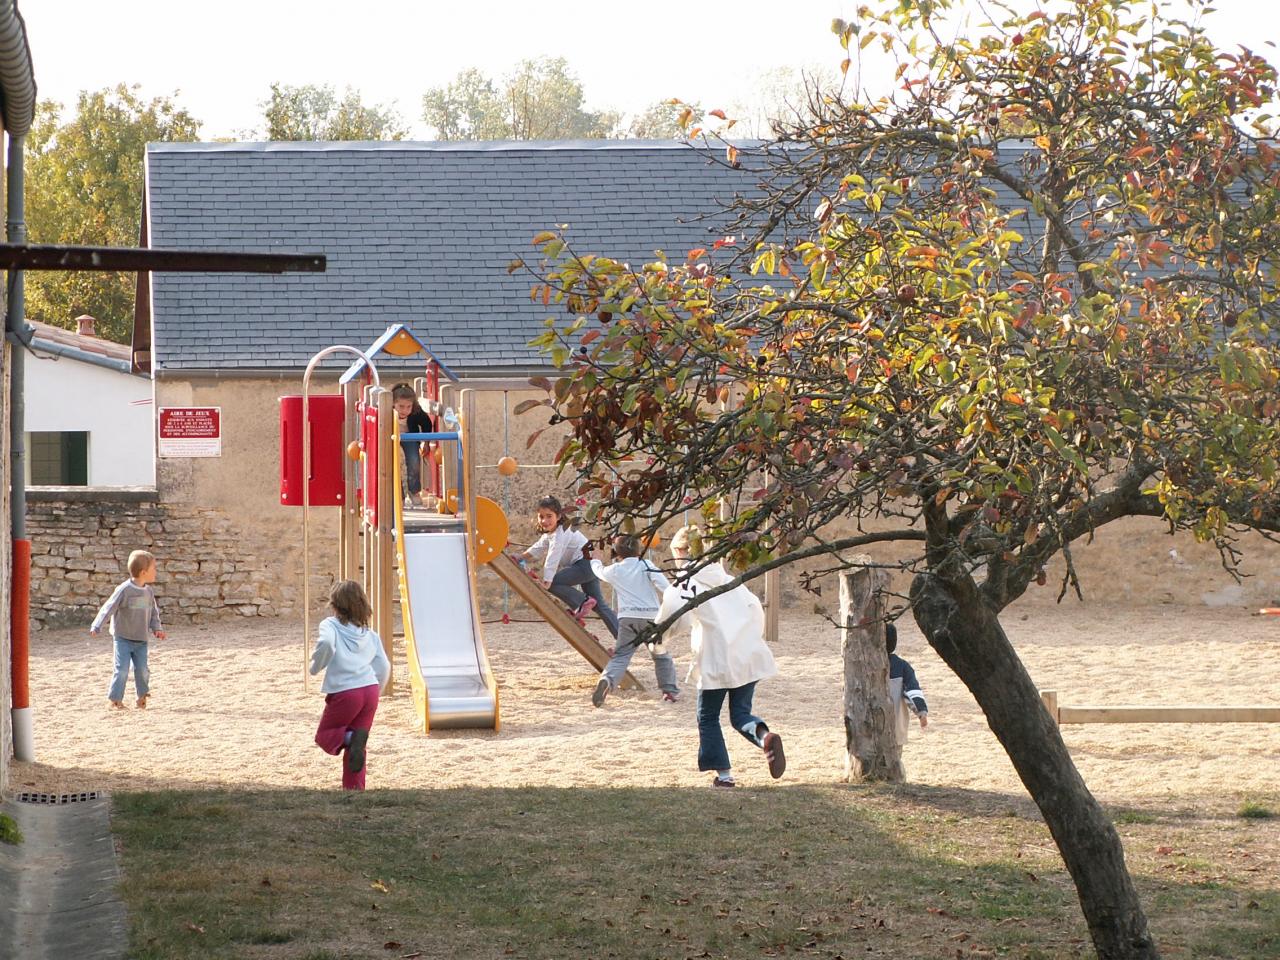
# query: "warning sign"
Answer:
x=190 y=432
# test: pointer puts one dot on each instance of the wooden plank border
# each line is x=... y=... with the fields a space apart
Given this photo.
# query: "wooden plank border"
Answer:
x=1157 y=714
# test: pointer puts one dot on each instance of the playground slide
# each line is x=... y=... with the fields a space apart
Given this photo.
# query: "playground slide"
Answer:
x=533 y=593
x=453 y=685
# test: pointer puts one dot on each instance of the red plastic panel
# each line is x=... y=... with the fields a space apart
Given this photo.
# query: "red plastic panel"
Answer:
x=326 y=487
x=369 y=437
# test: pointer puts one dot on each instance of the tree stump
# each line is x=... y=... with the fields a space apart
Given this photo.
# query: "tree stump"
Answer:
x=873 y=752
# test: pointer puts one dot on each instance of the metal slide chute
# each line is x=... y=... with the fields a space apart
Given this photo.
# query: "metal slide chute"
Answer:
x=453 y=685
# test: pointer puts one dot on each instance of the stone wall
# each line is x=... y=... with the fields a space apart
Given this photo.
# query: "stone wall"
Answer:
x=207 y=568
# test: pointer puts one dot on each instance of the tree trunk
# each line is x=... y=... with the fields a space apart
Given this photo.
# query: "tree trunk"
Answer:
x=871 y=743
x=966 y=633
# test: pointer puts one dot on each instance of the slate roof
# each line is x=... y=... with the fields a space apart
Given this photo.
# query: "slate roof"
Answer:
x=419 y=233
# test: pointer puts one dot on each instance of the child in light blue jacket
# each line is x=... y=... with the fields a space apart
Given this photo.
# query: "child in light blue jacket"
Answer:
x=355 y=671
x=638 y=586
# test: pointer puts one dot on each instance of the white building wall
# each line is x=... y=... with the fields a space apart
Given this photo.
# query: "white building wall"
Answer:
x=115 y=408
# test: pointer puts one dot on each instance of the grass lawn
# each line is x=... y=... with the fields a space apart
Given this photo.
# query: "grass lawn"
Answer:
x=914 y=872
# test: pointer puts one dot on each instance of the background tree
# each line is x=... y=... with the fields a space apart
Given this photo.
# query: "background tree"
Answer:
x=981 y=353
x=781 y=98
x=540 y=100
x=469 y=108
x=661 y=120
x=84 y=186
x=311 y=112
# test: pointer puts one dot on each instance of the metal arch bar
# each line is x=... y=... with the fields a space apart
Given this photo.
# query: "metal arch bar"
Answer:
x=306 y=493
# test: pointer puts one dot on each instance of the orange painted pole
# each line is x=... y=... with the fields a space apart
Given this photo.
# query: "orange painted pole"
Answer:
x=20 y=624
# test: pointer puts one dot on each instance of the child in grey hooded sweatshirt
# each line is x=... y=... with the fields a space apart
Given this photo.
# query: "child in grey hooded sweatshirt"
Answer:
x=355 y=671
x=134 y=619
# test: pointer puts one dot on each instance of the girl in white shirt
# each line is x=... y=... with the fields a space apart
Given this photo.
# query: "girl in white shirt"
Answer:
x=566 y=566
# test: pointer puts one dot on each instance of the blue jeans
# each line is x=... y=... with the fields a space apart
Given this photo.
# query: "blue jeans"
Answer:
x=712 y=753
x=579 y=574
x=130 y=651
x=413 y=465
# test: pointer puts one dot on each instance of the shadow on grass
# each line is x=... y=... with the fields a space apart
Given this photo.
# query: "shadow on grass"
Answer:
x=629 y=872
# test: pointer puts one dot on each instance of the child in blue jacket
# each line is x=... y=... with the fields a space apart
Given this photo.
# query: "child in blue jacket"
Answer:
x=904 y=688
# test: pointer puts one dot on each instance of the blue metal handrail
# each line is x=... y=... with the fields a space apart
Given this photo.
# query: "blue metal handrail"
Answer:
x=419 y=437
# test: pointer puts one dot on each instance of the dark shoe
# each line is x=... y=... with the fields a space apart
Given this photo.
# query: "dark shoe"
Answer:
x=355 y=751
x=600 y=692
x=773 y=753
x=725 y=782
x=670 y=697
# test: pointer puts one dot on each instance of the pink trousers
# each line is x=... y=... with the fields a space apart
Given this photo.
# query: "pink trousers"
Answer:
x=344 y=711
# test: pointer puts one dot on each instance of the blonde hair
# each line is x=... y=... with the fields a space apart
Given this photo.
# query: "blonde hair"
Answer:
x=690 y=539
x=139 y=562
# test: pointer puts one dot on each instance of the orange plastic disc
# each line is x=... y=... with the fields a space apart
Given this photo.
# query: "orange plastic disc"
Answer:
x=492 y=529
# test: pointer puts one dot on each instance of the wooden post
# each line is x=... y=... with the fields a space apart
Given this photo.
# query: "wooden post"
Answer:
x=349 y=528
x=772 y=604
x=872 y=750
x=385 y=558
x=1050 y=700
x=467 y=495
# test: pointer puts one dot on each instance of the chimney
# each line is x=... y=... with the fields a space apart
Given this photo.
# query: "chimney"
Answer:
x=84 y=326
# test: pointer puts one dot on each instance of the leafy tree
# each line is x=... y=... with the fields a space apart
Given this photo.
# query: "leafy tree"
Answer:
x=540 y=100
x=782 y=97
x=84 y=186
x=311 y=112
x=979 y=353
x=662 y=120
x=469 y=108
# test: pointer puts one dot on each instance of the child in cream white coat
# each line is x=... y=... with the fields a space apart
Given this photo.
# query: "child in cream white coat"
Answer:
x=355 y=671
x=729 y=658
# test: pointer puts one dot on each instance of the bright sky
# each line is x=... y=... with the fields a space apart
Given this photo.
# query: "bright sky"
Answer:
x=221 y=58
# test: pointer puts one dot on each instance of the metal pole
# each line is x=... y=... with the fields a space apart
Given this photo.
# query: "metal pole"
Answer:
x=506 y=487
x=306 y=494
x=19 y=335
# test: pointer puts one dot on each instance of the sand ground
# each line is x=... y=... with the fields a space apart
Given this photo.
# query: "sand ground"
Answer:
x=228 y=708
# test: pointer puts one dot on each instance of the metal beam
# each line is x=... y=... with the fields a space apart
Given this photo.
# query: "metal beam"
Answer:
x=16 y=256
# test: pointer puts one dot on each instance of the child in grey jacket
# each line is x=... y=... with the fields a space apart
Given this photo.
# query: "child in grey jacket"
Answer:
x=135 y=617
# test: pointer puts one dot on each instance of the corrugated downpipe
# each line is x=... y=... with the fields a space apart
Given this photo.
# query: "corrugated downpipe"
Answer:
x=17 y=82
